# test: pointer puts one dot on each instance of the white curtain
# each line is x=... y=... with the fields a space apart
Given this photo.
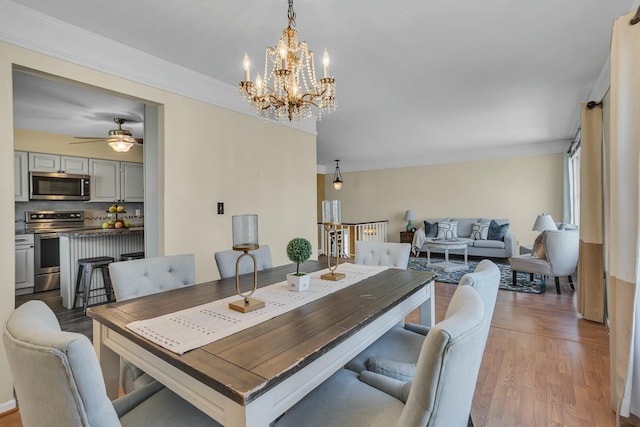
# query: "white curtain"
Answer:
x=624 y=219
x=567 y=199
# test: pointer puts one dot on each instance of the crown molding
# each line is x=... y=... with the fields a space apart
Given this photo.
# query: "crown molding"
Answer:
x=437 y=158
x=32 y=30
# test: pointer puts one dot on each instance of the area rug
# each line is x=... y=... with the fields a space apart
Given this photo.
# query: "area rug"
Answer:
x=523 y=283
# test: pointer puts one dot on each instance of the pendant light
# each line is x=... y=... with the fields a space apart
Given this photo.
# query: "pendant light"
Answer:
x=337 y=177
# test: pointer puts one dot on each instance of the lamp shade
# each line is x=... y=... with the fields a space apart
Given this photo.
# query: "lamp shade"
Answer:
x=544 y=222
x=245 y=232
x=410 y=215
x=331 y=212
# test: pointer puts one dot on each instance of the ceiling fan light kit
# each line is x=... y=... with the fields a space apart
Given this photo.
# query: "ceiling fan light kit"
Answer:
x=120 y=140
x=289 y=88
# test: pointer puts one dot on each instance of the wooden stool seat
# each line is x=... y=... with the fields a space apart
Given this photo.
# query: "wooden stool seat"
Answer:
x=86 y=266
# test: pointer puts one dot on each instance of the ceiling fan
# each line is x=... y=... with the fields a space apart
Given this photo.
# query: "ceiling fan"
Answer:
x=121 y=140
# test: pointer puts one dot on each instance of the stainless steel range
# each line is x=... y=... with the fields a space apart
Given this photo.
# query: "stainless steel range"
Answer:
x=45 y=226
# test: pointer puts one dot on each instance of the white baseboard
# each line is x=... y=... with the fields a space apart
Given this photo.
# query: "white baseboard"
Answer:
x=7 y=406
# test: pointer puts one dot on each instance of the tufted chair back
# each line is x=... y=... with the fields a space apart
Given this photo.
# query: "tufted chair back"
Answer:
x=56 y=374
x=486 y=280
x=226 y=261
x=146 y=276
x=383 y=253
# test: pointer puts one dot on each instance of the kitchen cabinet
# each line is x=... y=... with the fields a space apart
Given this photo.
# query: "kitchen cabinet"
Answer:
x=21 y=176
x=116 y=181
x=25 y=279
x=132 y=182
x=41 y=162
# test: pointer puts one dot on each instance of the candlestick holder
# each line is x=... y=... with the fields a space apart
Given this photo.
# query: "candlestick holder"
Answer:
x=245 y=239
x=331 y=220
x=332 y=275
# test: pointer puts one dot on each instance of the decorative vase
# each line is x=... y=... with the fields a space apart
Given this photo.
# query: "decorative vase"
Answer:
x=298 y=282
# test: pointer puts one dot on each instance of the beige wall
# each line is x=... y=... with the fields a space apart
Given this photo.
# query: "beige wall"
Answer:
x=518 y=189
x=44 y=142
x=206 y=154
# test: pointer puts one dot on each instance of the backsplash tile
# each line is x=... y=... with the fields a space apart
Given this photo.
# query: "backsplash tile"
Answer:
x=94 y=213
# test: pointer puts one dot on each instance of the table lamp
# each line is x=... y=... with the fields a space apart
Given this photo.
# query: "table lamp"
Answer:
x=331 y=219
x=544 y=222
x=409 y=216
x=245 y=239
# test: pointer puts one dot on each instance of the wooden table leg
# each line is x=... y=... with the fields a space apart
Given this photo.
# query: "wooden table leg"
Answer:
x=108 y=359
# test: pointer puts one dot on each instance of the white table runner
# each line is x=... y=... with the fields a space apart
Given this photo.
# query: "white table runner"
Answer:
x=194 y=327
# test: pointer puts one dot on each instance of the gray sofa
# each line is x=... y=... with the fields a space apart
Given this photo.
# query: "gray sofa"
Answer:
x=488 y=248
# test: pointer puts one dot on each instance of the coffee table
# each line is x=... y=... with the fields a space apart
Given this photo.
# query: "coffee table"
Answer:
x=447 y=245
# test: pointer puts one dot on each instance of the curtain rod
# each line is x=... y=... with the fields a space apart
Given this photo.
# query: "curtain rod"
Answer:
x=592 y=104
x=636 y=17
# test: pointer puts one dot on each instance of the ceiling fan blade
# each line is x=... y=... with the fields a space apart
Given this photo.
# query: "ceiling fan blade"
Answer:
x=90 y=140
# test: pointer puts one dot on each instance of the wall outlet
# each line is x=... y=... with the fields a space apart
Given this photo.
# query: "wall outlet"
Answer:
x=220 y=208
x=137 y=212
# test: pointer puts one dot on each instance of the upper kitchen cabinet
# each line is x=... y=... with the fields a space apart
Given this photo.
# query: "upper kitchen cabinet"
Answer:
x=21 y=176
x=132 y=182
x=41 y=162
x=116 y=181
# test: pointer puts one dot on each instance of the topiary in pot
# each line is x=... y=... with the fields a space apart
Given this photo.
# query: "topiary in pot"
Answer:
x=298 y=251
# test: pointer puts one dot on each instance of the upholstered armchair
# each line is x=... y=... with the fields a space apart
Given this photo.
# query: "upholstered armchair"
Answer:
x=439 y=395
x=140 y=277
x=396 y=352
x=58 y=381
x=226 y=261
x=383 y=253
x=555 y=254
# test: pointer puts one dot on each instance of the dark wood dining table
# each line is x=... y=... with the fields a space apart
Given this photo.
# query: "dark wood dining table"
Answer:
x=253 y=376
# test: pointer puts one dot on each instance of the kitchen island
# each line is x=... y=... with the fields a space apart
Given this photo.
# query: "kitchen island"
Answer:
x=78 y=244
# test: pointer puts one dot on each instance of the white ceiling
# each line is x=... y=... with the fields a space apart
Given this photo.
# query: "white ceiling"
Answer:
x=417 y=82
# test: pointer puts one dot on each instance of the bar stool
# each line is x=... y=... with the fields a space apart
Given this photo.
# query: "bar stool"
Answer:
x=131 y=256
x=86 y=266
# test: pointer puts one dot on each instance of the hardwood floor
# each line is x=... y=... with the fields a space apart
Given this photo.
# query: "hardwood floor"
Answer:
x=542 y=365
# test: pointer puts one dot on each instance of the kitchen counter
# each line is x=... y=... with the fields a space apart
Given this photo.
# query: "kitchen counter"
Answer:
x=101 y=232
x=89 y=243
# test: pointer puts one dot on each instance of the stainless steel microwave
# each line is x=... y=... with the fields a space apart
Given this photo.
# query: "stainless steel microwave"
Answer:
x=59 y=186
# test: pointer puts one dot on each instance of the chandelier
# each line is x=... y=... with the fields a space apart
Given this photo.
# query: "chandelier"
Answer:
x=289 y=87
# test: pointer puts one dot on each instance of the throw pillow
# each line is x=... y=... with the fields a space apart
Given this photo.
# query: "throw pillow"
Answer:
x=537 y=251
x=447 y=230
x=497 y=231
x=430 y=229
x=479 y=230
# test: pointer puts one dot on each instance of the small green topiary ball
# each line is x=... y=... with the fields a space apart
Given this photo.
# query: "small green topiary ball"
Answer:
x=299 y=250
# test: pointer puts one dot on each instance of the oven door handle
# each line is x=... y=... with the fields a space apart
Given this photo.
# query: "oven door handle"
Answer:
x=46 y=236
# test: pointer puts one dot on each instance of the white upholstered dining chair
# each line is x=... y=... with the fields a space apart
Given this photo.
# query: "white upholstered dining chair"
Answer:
x=226 y=261
x=439 y=395
x=58 y=381
x=146 y=276
x=140 y=277
x=383 y=253
x=396 y=352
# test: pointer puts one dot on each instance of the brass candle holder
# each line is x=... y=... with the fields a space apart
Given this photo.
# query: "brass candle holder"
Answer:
x=246 y=304
x=331 y=219
x=332 y=275
x=245 y=239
